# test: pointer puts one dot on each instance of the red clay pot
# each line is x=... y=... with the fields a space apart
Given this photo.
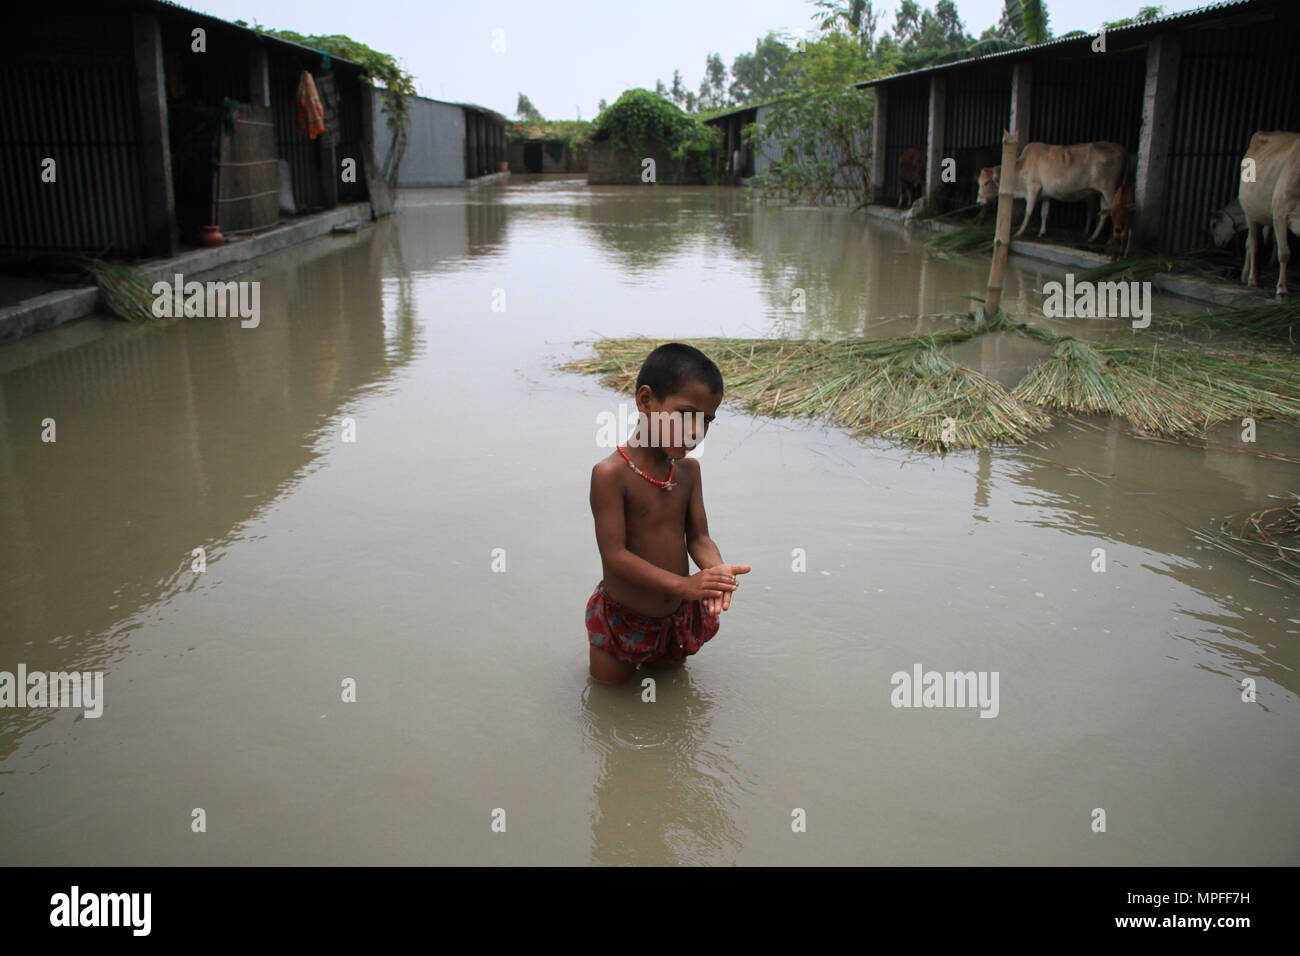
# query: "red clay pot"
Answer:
x=211 y=236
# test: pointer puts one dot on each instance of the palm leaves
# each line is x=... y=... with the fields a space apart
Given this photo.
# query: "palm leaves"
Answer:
x=1028 y=18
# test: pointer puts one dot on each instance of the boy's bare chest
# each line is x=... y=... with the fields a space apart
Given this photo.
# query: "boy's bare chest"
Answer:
x=650 y=505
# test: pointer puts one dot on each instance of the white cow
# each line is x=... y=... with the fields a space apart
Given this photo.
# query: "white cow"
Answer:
x=1067 y=173
x=1272 y=195
x=1225 y=223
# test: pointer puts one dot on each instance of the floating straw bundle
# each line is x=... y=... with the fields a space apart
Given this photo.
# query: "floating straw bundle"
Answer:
x=906 y=387
x=1162 y=391
x=903 y=387
x=1268 y=539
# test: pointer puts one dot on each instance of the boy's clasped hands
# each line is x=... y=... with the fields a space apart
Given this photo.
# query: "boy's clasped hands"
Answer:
x=713 y=586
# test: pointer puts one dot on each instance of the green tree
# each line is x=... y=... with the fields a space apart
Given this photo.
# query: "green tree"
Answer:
x=678 y=90
x=857 y=17
x=713 y=88
x=758 y=76
x=907 y=26
x=822 y=135
x=834 y=60
x=526 y=111
x=1028 y=20
x=925 y=37
x=1143 y=15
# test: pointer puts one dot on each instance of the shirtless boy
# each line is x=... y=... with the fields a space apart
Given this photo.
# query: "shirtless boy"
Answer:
x=648 y=504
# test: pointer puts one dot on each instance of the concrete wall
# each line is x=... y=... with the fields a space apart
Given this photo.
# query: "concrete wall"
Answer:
x=435 y=147
x=624 y=168
x=570 y=161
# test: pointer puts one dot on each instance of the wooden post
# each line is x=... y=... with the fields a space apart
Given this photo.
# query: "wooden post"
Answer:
x=1002 y=238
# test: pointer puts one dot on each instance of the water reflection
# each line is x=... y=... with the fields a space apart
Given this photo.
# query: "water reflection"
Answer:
x=169 y=439
x=666 y=791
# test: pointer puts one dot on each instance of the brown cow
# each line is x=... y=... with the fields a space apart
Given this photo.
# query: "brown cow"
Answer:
x=1121 y=218
x=1067 y=173
x=911 y=174
x=1271 y=195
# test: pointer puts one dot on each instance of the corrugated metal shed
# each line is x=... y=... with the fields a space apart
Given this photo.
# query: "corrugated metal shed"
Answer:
x=1233 y=71
x=72 y=89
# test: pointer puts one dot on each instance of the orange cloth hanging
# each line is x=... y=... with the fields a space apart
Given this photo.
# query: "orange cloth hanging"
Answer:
x=311 y=118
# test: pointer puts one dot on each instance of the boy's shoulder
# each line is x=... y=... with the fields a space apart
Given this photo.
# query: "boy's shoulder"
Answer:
x=608 y=468
x=607 y=463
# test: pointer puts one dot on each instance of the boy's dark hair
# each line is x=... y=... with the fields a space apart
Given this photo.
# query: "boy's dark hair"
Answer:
x=671 y=366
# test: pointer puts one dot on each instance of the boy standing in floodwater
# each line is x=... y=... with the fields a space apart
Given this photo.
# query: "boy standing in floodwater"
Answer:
x=649 y=509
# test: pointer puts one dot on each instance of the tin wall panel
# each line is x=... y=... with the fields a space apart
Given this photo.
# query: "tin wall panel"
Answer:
x=300 y=152
x=1232 y=83
x=435 y=142
x=84 y=116
x=977 y=108
x=351 y=136
x=907 y=119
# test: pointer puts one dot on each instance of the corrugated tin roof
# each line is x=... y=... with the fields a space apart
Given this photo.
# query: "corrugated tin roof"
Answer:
x=249 y=30
x=738 y=109
x=481 y=109
x=464 y=106
x=1200 y=13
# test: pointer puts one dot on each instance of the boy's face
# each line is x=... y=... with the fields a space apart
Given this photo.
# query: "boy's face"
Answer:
x=680 y=421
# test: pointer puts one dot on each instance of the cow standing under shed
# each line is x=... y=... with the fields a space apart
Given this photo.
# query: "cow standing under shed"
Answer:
x=1272 y=194
x=1066 y=173
x=911 y=175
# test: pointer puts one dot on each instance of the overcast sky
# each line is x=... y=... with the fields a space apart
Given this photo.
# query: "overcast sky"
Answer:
x=567 y=55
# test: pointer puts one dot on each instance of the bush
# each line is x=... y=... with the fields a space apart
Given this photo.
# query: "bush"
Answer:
x=823 y=138
x=640 y=121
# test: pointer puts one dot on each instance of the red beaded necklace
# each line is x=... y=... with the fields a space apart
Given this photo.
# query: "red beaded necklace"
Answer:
x=665 y=485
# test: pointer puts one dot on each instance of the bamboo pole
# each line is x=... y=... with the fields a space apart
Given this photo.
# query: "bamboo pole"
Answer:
x=1002 y=238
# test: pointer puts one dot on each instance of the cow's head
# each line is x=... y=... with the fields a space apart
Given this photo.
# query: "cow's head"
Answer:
x=989 y=179
x=1222 y=226
x=1123 y=207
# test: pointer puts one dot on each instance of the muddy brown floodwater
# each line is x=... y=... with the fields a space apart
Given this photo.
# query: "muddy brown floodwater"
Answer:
x=377 y=560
